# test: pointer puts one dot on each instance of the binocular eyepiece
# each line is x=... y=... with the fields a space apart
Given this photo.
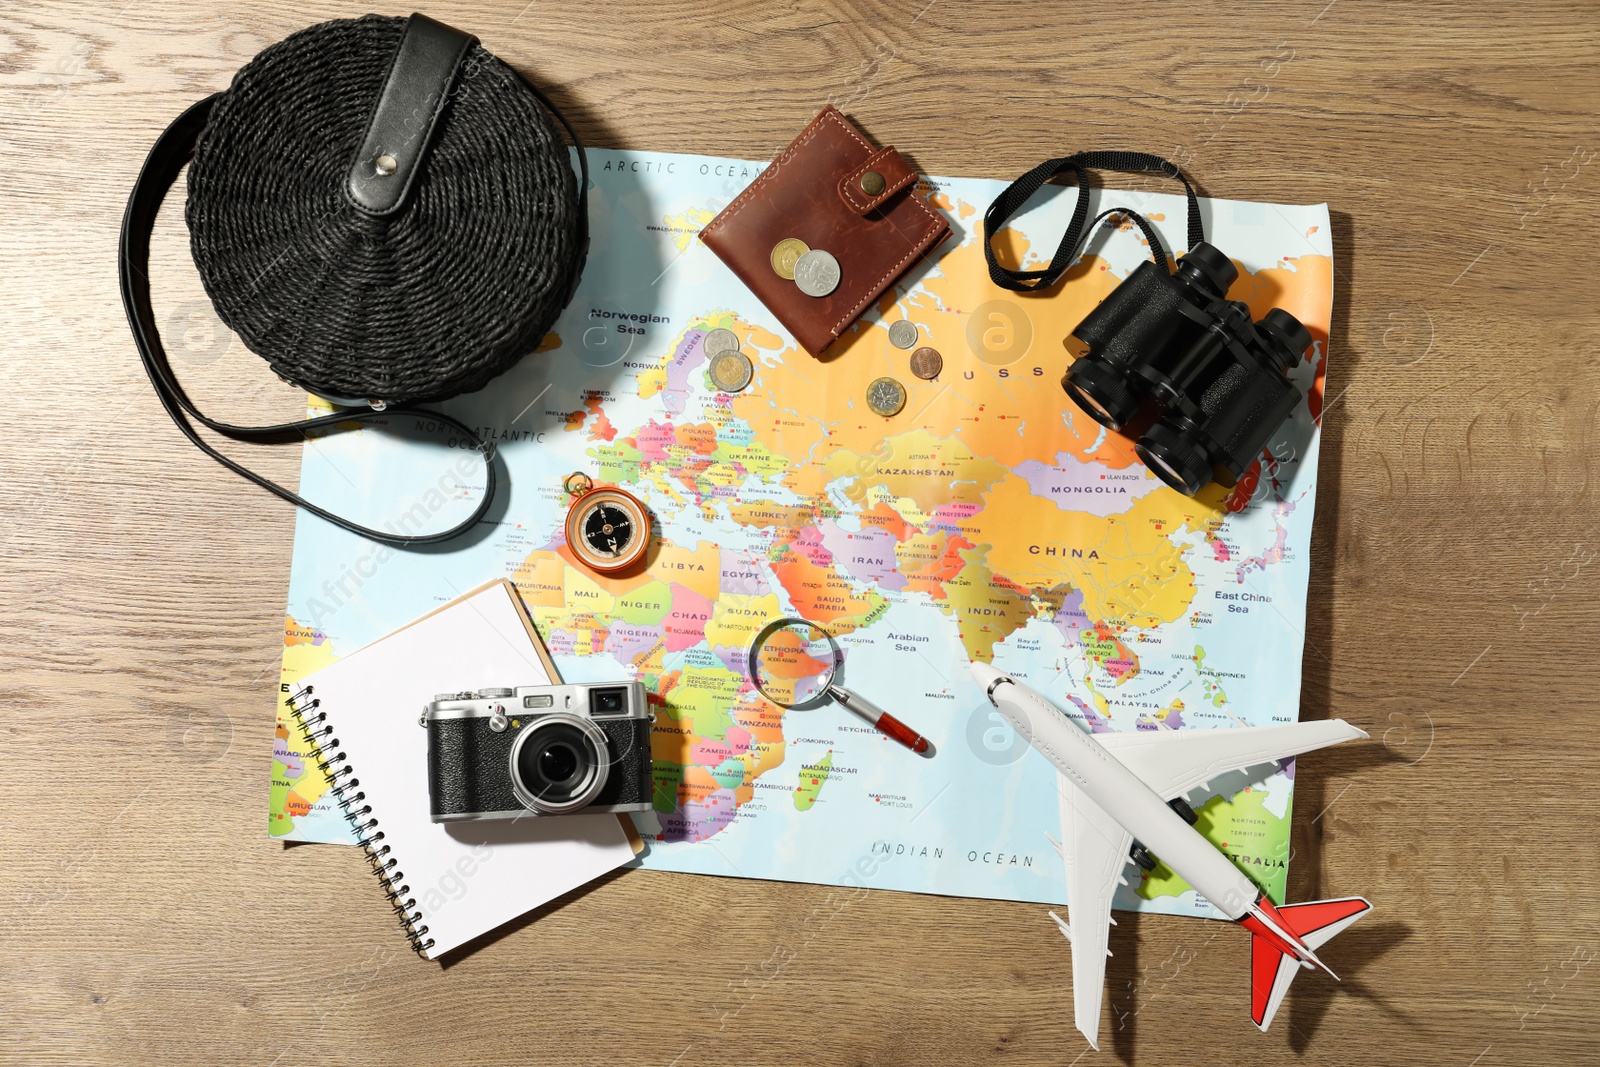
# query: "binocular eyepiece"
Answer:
x=1221 y=378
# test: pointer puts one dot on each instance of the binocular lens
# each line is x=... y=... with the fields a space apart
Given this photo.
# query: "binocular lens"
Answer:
x=1174 y=458
x=1085 y=400
x=1101 y=391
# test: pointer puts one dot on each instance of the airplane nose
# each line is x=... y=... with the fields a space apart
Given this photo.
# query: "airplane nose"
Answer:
x=984 y=675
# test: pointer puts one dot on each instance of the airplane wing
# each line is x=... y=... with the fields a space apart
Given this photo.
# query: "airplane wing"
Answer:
x=1172 y=762
x=1095 y=849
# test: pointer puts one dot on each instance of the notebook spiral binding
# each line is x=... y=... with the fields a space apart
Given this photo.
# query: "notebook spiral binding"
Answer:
x=330 y=759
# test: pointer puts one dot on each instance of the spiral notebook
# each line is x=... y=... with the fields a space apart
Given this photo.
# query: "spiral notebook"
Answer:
x=447 y=882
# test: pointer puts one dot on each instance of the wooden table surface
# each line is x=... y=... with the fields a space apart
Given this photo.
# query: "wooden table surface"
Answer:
x=146 y=917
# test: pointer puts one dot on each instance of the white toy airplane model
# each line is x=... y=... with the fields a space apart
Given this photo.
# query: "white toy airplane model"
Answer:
x=1116 y=788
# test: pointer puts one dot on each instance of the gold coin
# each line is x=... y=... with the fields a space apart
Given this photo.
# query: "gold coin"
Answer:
x=731 y=371
x=886 y=397
x=784 y=254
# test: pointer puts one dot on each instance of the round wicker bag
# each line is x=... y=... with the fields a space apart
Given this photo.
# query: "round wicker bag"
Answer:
x=381 y=209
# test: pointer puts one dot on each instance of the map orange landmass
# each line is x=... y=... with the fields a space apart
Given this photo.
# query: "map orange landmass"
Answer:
x=986 y=611
x=928 y=561
x=823 y=595
x=1127 y=566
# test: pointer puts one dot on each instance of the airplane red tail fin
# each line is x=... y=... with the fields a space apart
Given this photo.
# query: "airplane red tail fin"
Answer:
x=1272 y=970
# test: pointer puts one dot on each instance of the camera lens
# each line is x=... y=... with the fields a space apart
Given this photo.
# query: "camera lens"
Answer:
x=559 y=763
x=608 y=701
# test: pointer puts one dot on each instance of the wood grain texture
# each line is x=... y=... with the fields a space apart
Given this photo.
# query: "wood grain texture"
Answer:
x=146 y=918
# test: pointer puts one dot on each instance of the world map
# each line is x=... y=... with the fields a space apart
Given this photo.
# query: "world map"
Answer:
x=988 y=521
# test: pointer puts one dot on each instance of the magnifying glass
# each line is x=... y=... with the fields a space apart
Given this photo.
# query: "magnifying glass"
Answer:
x=798 y=664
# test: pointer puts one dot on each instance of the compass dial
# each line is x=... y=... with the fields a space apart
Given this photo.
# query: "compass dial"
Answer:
x=607 y=530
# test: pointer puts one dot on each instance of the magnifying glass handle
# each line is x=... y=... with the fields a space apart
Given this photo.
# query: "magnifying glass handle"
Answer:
x=884 y=722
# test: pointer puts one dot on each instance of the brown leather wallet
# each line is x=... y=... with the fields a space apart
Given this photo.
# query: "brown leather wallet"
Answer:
x=836 y=192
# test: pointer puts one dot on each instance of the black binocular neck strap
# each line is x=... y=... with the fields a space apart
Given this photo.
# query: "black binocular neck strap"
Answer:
x=1019 y=192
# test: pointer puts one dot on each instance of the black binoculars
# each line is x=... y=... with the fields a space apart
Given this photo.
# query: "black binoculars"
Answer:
x=1221 y=378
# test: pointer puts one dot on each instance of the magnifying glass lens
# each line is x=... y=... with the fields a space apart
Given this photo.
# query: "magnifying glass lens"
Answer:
x=793 y=664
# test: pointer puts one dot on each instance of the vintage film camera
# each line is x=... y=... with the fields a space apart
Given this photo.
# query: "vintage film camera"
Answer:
x=1221 y=379
x=538 y=750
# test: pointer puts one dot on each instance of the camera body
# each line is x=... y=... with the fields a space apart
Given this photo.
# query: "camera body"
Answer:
x=538 y=750
x=1221 y=378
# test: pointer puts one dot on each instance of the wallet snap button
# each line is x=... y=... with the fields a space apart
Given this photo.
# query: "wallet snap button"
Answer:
x=872 y=183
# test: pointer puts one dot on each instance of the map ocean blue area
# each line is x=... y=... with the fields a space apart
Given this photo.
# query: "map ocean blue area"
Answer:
x=989 y=520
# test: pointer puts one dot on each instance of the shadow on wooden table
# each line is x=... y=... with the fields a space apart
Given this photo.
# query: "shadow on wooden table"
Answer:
x=1123 y=990
x=1330 y=771
x=526 y=919
x=1311 y=799
x=1358 y=949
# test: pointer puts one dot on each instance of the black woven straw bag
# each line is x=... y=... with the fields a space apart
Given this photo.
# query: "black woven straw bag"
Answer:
x=383 y=211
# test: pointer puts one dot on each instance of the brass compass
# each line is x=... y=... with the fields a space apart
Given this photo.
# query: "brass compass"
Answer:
x=608 y=529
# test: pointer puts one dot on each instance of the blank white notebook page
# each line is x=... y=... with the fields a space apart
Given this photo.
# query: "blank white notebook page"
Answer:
x=465 y=878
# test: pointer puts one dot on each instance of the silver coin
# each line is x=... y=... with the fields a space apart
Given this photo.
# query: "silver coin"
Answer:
x=886 y=397
x=719 y=341
x=816 y=273
x=903 y=334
